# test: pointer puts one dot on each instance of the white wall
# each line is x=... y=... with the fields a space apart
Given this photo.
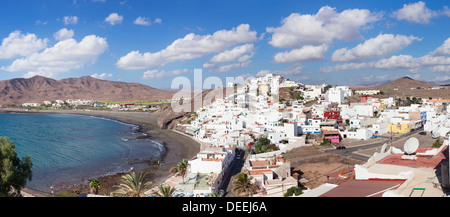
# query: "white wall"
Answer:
x=199 y=166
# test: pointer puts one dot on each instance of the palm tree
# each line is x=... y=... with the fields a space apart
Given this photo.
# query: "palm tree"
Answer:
x=249 y=149
x=242 y=184
x=165 y=191
x=216 y=194
x=133 y=185
x=94 y=185
x=180 y=168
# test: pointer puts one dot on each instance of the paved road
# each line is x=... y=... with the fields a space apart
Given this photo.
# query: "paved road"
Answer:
x=349 y=151
x=235 y=168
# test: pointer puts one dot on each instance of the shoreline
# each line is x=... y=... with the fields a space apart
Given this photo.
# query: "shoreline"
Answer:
x=176 y=146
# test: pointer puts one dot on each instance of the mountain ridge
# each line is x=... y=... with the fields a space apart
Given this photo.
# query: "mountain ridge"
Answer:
x=38 y=89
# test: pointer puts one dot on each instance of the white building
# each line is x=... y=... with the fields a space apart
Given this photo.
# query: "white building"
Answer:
x=361 y=134
x=312 y=91
x=312 y=126
x=31 y=104
x=367 y=92
x=380 y=128
x=335 y=95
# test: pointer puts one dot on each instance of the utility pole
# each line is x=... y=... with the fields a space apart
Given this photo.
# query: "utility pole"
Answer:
x=391 y=137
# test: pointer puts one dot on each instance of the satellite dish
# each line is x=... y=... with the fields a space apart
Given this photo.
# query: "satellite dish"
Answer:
x=411 y=145
x=383 y=148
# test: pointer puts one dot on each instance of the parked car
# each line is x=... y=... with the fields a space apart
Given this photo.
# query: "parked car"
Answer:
x=340 y=147
x=423 y=133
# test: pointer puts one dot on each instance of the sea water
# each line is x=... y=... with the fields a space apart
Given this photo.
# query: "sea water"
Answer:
x=70 y=149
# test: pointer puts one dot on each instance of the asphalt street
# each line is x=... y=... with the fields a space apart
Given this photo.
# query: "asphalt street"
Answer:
x=350 y=151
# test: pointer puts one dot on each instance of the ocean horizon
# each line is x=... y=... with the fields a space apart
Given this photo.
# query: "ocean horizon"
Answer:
x=70 y=149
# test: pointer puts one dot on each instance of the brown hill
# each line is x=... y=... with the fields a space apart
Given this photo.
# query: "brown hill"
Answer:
x=408 y=87
x=404 y=83
x=38 y=89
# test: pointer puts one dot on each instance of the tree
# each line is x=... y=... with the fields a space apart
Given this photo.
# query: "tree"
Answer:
x=94 y=185
x=165 y=191
x=242 y=184
x=294 y=191
x=325 y=142
x=437 y=143
x=14 y=172
x=249 y=149
x=263 y=145
x=180 y=168
x=216 y=194
x=133 y=185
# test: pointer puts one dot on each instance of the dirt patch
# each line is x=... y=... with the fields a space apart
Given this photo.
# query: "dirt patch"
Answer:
x=313 y=165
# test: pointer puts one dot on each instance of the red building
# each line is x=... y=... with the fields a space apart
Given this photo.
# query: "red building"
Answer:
x=364 y=98
x=333 y=115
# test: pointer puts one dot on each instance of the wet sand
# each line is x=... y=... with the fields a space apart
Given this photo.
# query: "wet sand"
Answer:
x=178 y=146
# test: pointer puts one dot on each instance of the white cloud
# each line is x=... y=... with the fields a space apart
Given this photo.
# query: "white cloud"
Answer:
x=304 y=53
x=229 y=67
x=321 y=28
x=155 y=73
x=70 y=20
x=114 y=19
x=397 y=62
x=415 y=13
x=444 y=49
x=101 y=76
x=158 y=20
x=263 y=72
x=40 y=22
x=394 y=62
x=240 y=53
x=373 y=48
x=446 y=11
x=208 y=65
x=144 y=21
x=62 y=57
x=344 y=67
x=441 y=69
x=190 y=47
x=295 y=69
x=437 y=61
x=18 y=44
x=63 y=34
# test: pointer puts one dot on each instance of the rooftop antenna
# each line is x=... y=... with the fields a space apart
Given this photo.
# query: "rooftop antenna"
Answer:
x=410 y=147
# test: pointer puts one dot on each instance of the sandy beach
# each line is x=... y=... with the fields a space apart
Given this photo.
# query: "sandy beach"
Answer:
x=177 y=145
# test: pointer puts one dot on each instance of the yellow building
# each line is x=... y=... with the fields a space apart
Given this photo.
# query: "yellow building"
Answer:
x=382 y=106
x=399 y=128
x=264 y=89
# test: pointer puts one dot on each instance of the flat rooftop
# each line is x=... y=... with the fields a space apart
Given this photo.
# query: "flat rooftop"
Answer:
x=363 y=188
x=421 y=161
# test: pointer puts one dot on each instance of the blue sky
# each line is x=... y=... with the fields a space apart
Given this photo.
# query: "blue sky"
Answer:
x=152 y=42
